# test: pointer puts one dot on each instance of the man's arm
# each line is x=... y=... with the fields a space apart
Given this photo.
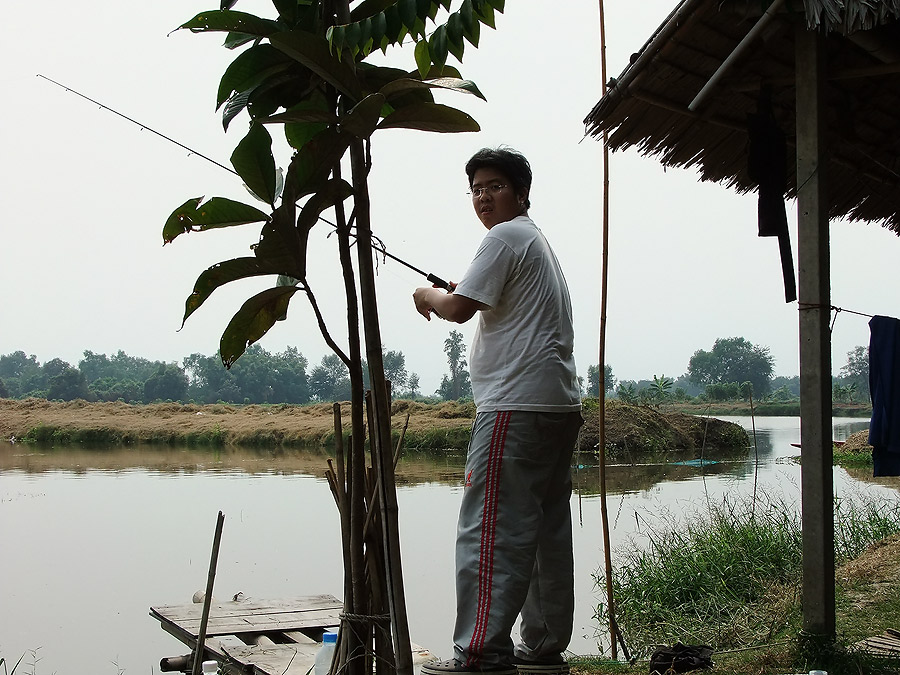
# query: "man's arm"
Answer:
x=449 y=306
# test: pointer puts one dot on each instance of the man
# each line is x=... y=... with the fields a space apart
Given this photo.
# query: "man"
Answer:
x=514 y=540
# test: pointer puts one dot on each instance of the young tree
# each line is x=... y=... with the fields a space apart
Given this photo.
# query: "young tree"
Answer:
x=306 y=70
x=456 y=384
x=856 y=370
x=733 y=360
x=412 y=384
x=593 y=377
x=395 y=369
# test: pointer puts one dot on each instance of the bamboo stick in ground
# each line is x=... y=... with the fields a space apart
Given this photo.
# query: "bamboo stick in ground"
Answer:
x=207 y=600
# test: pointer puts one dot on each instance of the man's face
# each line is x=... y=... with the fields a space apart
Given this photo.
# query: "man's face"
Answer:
x=493 y=205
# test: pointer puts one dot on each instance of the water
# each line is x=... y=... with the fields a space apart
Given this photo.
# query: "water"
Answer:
x=92 y=539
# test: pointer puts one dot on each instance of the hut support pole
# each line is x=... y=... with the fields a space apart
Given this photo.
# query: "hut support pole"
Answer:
x=817 y=483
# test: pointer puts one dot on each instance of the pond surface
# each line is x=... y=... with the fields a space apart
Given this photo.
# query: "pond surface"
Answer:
x=92 y=538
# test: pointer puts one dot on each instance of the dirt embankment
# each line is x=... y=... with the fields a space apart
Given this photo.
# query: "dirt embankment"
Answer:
x=432 y=426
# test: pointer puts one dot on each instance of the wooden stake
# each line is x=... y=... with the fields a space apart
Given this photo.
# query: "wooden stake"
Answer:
x=604 y=517
x=210 y=579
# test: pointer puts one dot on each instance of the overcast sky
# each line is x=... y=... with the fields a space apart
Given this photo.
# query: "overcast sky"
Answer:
x=85 y=195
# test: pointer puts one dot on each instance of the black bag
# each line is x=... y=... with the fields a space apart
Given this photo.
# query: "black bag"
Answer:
x=680 y=659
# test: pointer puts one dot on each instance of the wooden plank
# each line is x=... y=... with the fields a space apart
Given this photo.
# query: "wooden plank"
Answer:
x=193 y=610
x=235 y=618
x=292 y=659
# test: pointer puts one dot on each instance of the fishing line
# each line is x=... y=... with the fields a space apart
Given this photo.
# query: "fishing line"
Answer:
x=436 y=280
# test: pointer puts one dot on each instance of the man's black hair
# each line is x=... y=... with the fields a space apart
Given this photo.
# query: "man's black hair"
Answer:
x=507 y=161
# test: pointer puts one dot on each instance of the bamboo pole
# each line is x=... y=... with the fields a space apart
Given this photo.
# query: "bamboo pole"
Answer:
x=601 y=417
x=381 y=431
x=207 y=600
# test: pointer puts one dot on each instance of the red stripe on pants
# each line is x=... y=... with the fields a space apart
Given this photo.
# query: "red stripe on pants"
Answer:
x=488 y=535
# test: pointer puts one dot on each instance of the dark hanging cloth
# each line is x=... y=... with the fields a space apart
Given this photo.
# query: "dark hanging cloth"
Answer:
x=884 y=386
x=767 y=167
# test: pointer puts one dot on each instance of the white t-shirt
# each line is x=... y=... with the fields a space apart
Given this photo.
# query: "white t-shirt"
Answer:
x=522 y=354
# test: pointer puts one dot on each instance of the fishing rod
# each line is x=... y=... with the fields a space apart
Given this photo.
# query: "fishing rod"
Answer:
x=436 y=280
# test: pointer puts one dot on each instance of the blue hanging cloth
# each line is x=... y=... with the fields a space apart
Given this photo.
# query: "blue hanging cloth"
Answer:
x=884 y=386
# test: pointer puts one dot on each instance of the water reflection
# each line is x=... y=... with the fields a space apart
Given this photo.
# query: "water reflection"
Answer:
x=92 y=537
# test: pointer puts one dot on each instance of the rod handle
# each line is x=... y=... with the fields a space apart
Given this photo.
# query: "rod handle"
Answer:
x=440 y=283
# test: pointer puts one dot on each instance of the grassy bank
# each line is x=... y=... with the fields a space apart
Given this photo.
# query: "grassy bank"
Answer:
x=731 y=578
x=429 y=427
x=774 y=409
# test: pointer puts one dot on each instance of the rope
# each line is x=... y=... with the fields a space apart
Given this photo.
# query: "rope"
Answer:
x=802 y=306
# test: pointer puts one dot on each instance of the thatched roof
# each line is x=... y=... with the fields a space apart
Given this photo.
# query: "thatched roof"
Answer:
x=647 y=105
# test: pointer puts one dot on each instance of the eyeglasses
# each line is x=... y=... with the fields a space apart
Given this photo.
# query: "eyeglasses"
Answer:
x=478 y=192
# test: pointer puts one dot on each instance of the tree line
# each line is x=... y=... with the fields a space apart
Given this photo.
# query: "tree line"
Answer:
x=734 y=369
x=259 y=376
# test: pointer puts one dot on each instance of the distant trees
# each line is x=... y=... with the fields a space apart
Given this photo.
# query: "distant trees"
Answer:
x=456 y=384
x=169 y=382
x=855 y=373
x=258 y=377
x=593 y=379
x=733 y=361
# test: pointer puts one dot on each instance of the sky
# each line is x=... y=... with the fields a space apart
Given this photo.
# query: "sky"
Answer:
x=85 y=194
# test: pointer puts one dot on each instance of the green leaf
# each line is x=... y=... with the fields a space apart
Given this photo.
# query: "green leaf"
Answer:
x=455 y=36
x=334 y=191
x=473 y=35
x=280 y=243
x=223 y=273
x=195 y=216
x=306 y=119
x=438 y=46
x=233 y=107
x=254 y=163
x=369 y=8
x=430 y=117
x=253 y=320
x=314 y=53
x=423 y=57
x=401 y=86
x=249 y=69
x=447 y=71
x=233 y=40
x=352 y=37
x=379 y=27
x=499 y=5
x=310 y=167
x=394 y=24
x=363 y=118
x=287 y=10
x=231 y=22
x=407 y=9
x=485 y=14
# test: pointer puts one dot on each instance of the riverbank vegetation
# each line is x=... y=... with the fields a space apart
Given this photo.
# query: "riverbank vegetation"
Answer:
x=429 y=426
x=733 y=378
x=730 y=576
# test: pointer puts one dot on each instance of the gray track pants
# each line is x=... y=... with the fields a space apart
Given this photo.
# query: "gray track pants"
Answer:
x=514 y=541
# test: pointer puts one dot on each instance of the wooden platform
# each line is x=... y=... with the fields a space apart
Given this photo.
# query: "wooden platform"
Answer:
x=256 y=637
x=886 y=644
x=272 y=637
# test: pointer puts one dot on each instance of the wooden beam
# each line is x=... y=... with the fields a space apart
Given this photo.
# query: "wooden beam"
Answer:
x=817 y=482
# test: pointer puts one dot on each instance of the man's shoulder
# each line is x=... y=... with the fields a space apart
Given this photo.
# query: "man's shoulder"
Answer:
x=521 y=227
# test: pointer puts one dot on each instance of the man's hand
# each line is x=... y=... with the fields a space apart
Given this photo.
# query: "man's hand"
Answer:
x=423 y=297
x=449 y=306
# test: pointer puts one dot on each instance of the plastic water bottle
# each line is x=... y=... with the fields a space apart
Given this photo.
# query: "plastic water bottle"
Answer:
x=325 y=654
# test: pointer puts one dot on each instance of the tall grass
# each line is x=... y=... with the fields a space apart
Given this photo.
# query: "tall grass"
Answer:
x=730 y=576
